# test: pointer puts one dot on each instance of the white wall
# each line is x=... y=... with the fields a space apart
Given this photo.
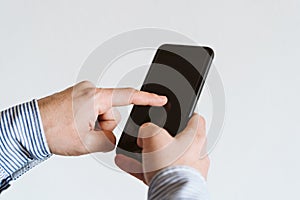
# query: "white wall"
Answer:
x=44 y=43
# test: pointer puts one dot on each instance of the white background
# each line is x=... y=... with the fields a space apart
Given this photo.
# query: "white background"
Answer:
x=44 y=43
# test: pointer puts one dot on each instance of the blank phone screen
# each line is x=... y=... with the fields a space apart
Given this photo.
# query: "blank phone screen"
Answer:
x=177 y=72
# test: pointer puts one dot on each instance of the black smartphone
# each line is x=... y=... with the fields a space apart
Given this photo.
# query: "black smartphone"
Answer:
x=177 y=72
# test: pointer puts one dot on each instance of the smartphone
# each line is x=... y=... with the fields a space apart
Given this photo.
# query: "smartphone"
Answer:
x=177 y=72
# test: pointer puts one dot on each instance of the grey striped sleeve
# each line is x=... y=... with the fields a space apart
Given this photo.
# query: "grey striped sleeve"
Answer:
x=22 y=141
x=179 y=182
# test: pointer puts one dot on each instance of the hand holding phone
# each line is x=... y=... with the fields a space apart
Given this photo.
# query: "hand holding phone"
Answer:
x=161 y=150
x=177 y=72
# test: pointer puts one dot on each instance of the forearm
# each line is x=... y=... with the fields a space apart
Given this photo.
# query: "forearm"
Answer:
x=178 y=183
x=22 y=141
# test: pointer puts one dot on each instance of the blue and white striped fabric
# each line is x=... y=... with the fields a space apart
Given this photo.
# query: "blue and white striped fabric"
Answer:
x=22 y=141
x=23 y=145
x=179 y=182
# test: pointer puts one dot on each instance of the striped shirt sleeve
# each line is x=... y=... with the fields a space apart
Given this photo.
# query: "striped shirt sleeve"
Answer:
x=22 y=141
x=179 y=182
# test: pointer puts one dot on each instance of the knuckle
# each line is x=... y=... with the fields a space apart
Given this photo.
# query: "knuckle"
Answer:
x=84 y=88
x=152 y=98
x=131 y=92
x=89 y=92
x=105 y=95
x=86 y=83
x=99 y=92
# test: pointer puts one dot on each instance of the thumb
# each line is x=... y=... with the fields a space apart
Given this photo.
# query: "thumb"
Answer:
x=100 y=141
x=152 y=137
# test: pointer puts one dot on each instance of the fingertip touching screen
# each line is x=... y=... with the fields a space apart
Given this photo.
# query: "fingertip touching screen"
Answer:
x=177 y=72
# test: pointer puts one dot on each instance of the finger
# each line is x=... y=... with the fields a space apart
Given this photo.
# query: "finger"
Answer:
x=107 y=125
x=194 y=133
x=109 y=120
x=131 y=166
x=152 y=137
x=100 y=141
x=127 y=96
x=111 y=115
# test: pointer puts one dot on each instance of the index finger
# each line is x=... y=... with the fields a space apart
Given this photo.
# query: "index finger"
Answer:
x=127 y=96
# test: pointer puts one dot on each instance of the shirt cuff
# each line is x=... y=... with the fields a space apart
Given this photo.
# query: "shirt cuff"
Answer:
x=178 y=182
x=22 y=140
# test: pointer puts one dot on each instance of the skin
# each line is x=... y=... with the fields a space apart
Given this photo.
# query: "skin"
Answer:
x=72 y=118
x=161 y=150
x=81 y=120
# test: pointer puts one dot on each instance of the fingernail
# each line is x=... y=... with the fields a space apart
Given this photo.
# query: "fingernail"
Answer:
x=163 y=99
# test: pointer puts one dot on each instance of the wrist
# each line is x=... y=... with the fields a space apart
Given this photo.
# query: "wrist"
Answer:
x=56 y=121
x=46 y=123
